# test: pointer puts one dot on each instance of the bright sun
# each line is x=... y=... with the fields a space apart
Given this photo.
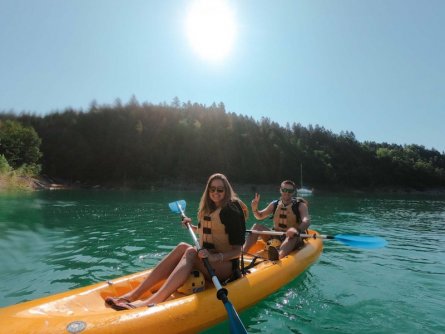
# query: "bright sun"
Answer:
x=211 y=28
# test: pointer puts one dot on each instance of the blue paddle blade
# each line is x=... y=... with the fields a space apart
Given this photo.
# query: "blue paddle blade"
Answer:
x=361 y=241
x=175 y=208
x=235 y=324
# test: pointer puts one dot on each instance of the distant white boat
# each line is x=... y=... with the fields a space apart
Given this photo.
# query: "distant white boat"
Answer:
x=303 y=191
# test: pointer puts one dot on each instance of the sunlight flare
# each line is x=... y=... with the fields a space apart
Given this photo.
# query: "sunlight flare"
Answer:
x=211 y=29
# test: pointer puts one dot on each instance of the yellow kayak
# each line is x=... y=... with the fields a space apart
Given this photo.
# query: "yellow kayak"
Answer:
x=83 y=310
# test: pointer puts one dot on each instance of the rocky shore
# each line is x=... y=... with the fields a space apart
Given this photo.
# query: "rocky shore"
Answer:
x=24 y=183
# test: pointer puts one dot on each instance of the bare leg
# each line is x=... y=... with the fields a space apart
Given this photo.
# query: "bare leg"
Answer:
x=179 y=275
x=252 y=237
x=160 y=272
x=288 y=246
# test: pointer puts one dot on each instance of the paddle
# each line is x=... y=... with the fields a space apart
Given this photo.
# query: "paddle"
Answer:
x=236 y=326
x=359 y=241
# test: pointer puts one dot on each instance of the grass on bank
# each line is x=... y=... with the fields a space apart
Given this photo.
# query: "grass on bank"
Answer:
x=20 y=179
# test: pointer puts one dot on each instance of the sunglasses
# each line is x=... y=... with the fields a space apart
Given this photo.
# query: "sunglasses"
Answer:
x=286 y=190
x=218 y=189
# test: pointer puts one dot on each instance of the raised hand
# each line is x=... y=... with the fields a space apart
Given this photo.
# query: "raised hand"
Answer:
x=255 y=202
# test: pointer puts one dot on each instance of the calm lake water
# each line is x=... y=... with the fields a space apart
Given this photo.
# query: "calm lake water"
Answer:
x=56 y=241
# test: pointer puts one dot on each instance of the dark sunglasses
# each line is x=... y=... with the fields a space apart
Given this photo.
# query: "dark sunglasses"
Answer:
x=285 y=190
x=218 y=189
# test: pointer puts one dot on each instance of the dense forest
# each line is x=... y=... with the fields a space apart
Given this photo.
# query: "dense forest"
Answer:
x=138 y=145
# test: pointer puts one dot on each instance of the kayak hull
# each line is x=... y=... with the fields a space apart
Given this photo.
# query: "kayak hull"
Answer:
x=83 y=310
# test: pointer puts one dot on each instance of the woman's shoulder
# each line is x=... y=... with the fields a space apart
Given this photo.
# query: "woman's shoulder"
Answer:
x=235 y=206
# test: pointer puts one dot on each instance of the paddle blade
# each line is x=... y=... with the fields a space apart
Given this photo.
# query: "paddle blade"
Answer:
x=361 y=241
x=175 y=207
x=235 y=324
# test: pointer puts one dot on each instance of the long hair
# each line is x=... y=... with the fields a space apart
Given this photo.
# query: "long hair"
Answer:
x=206 y=204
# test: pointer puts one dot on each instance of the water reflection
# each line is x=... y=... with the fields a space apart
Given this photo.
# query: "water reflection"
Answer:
x=55 y=241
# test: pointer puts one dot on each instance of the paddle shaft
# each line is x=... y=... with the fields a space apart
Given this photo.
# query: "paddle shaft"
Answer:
x=303 y=235
x=359 y=241
x=221 y=292
x=206 y=262
x=235 y=324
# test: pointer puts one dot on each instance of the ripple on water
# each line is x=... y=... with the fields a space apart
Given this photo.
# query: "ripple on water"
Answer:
x=67 y=239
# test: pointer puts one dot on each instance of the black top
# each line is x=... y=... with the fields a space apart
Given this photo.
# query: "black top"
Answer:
x=232 y=217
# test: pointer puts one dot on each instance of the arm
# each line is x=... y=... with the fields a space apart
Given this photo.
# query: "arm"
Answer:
x=304 y=214
x=189 y=221
x=260 y=214
x=305 y=222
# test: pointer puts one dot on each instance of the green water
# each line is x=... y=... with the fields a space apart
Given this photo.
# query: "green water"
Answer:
x=55 y=241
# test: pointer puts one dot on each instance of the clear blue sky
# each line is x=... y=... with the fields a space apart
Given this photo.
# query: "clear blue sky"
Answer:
x=376 y=67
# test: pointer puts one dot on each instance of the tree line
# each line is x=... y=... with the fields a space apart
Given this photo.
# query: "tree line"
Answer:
x=142 y=144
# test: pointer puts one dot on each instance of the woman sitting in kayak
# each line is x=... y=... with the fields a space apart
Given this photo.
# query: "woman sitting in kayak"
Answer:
x=221 y=228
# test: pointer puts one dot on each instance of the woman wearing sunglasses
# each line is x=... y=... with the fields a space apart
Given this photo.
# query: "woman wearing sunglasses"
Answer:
x=289 y=215
x=221 y=228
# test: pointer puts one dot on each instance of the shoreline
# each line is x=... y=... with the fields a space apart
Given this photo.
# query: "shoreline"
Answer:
x=24 y=183
x=239 y=188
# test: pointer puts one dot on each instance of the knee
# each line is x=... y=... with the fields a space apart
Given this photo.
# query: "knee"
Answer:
x=183 y=246
x=259 y=227
x=190 y=254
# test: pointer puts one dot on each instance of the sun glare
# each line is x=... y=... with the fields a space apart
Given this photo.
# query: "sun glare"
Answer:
x=211 y=29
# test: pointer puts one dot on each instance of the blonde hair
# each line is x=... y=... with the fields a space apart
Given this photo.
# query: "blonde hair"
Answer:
x=206 y=204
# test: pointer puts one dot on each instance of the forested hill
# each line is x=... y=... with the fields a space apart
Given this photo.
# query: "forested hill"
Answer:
x=138 y=145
